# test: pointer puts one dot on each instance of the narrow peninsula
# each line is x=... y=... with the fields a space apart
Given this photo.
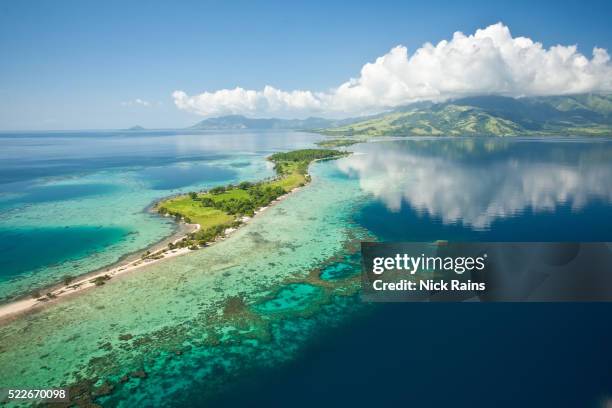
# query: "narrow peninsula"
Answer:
x=222 y=209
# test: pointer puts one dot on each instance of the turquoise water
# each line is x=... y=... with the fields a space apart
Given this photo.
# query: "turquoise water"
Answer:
x=77 y=201
x=248 y=301
x=272 y=315
x=293 y=297
x=34 y=248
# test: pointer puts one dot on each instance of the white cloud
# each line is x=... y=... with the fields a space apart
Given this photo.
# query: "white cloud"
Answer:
x=238 y=100
x=489 y=61
x=139 y=102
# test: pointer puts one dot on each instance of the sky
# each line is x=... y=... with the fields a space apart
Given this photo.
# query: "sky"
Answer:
x=161 y=64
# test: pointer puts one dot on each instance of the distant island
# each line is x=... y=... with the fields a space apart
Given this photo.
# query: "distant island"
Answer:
x=242 y=122
x=135 y=128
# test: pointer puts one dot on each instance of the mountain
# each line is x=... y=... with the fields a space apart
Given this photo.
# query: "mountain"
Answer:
x=587 y=114
x=242 y=122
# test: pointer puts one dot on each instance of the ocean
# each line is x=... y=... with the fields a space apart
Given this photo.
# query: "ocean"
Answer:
x=272 y=315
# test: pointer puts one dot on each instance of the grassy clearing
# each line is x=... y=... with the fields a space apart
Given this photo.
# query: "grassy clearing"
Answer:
x=223 y=207
x=193 y=212
x=236 y=194
x=290 y=181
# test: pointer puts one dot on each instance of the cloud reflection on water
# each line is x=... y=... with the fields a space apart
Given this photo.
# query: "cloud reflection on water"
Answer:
x=475 y=182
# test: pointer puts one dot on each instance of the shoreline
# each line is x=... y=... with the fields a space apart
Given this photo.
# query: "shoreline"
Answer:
x=129 y=263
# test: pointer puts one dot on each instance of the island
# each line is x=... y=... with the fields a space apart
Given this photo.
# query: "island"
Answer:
x=341 y=142
x=205 y=217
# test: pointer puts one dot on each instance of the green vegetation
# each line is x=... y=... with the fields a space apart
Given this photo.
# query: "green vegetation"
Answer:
x=100 y=280
x=451 y=120
x=185 y=207
x=343 y=142
x=297 y=161
x=589 y=115
x=224 y=207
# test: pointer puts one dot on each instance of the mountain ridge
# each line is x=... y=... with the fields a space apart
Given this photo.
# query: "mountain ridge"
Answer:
x=583 y=114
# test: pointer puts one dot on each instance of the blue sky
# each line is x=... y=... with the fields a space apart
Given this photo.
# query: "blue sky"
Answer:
x=84 y=64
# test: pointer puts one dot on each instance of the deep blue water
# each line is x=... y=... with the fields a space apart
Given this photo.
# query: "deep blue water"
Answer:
x=462 y=354
x=441 y=355
x=592 y=223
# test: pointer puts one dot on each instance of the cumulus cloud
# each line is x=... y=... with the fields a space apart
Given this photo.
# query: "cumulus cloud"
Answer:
x=490 y=61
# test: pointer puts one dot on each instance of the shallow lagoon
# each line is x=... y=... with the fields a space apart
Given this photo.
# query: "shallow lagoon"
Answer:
x=272 y=313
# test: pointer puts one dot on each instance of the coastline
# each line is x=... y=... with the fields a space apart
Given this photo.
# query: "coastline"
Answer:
x=131 y=262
